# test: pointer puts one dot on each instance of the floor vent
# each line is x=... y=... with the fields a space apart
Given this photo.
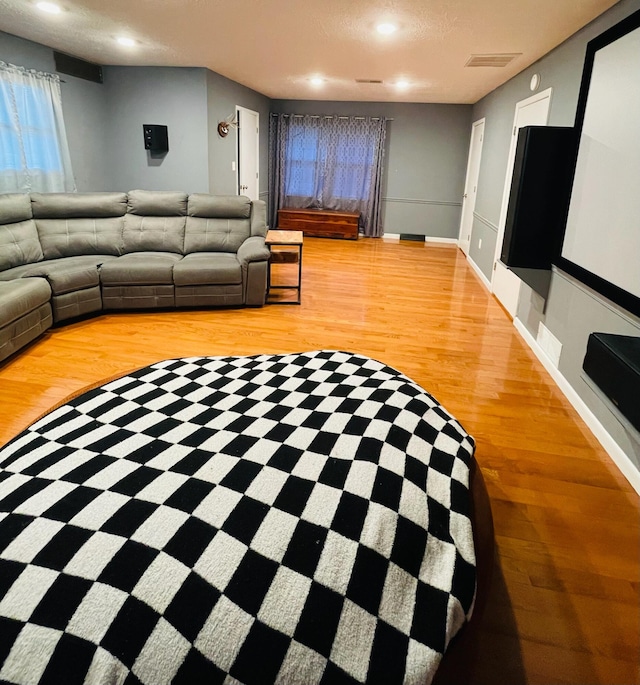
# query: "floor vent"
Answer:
x=368 y=80
x=412 y=236
x=500 y=60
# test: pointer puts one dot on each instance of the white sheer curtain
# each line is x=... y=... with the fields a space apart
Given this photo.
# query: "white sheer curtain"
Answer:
x=34 y=154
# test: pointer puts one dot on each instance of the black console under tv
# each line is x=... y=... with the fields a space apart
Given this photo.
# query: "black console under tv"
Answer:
x=613 y=363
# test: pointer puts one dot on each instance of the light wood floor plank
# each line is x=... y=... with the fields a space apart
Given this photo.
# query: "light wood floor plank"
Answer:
x=564 y=606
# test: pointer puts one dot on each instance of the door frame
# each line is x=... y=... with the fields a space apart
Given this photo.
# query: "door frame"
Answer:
x=497 y=263
x=239 y=110
x=471 y=179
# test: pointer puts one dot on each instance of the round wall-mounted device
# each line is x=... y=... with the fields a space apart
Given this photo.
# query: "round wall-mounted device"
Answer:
x=535 y=82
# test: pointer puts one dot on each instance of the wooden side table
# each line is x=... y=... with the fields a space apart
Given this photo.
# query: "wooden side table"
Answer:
x=291 y=253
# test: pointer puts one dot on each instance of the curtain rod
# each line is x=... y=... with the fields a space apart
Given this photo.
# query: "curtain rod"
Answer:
x=325 y=116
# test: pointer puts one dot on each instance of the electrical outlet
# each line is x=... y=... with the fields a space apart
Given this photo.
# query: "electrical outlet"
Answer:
x=479 y=243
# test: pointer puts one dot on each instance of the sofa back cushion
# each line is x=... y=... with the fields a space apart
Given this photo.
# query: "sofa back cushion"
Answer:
x=155 y=220
x=19 y=242
x=217 y=223
x=14 y=207
x=71 y=224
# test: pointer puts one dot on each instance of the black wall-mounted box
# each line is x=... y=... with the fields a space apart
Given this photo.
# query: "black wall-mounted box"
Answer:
x=74 y=66
x=539 y=198
x=613 y=362
x=156 y=137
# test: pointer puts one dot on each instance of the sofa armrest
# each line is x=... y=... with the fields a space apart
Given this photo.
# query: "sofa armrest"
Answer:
x=253 y=249
x=259 y=218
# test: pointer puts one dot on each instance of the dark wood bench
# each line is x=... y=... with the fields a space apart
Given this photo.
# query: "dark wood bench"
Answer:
x=320 y=223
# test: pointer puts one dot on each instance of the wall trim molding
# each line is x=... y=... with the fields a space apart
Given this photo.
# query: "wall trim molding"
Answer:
x=600 y=299
x=414 y=201
x=485 y=221
x=617 y=454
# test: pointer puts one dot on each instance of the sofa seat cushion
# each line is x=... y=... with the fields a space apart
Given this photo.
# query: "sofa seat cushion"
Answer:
x=140 y=268
x=71 y=280
x=20 y=297
x=208 y=268
x=65 y=275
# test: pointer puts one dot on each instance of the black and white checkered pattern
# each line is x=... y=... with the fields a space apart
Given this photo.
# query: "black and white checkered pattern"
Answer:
x=297 y=519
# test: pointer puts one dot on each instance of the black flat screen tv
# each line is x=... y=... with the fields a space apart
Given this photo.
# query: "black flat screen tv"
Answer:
x=601 y=243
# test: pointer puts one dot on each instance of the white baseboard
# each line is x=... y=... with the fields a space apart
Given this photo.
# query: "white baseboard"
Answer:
x=481 y=276
x=435 y=239
x=621 y=460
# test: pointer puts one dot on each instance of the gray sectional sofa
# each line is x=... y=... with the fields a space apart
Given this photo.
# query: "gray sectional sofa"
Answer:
x=63 y=255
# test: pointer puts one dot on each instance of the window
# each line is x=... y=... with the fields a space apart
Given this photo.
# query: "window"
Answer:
x=304 y=161
x=321 y=165
x=352 y=166
x=33 y=146
x=328 y=162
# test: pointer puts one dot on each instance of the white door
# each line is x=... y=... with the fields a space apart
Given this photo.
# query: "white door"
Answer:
x=248 y=152
x=533 y=111
x=471 y=185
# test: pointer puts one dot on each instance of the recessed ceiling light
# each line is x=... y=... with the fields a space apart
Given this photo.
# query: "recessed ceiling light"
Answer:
x=123 y=40
x=317 y=81
x=402 y=84
x=386 y=29
x=48 y=7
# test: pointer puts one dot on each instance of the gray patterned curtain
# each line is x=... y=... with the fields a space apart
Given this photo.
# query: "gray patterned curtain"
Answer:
x=328 y=162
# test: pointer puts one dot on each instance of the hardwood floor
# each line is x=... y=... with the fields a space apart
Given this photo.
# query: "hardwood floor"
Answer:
x=564 y=606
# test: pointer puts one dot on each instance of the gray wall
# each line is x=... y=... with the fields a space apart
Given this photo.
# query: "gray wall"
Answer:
x=222 y=97
x=172 y=96
x=571 y=311
x=425 y=165
x=104 y=124
x=191 y=102
x=86 y=119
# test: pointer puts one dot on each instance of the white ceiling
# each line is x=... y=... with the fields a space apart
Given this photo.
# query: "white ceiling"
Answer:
x=275 y=46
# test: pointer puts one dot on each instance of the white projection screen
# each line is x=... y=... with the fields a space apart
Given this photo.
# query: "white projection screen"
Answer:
x=601 y=243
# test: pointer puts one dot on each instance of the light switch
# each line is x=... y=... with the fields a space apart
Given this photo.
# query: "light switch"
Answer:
x=233 y=166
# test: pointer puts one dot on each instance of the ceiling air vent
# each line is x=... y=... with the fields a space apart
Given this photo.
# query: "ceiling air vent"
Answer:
x=74 y=66
x=499 y=60
x=368 y=80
